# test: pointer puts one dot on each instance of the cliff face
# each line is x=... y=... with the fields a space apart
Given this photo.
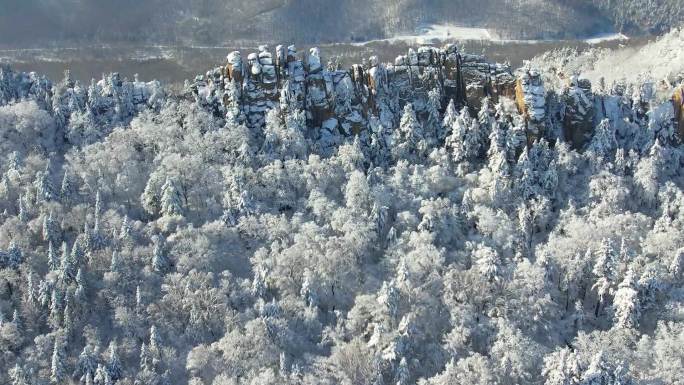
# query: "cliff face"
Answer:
x=369 y=98
x=578 y=114
x=678 y=102
x=530 y=97
x=345 y=101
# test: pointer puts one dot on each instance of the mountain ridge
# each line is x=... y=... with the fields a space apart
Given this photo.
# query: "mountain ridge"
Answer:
x=217 y=22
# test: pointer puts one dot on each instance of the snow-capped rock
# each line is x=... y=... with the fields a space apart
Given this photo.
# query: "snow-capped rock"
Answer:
x=578 y=114
x=531 y=100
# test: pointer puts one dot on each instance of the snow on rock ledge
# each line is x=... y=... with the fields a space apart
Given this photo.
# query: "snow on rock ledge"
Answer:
x=353 y=97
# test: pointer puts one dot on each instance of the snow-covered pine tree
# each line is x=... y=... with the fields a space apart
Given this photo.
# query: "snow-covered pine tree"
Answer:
x=14 y=255
x=86 y=364
x=562 y=367
x=434 y=131
x=115 y=264
x=150 y=199
x=155 y=346
x=171 y=199
x=58 y=371
x=113 y=366
x=70 y=262
x=67 y=190
x=389 y=298
x=402 y=374
x=308 y=292
x=43 y=184
x=626 y=304
x=19 y=376
x=408 y=141
x=160 y=261
x=604 y=270
x=50 y=229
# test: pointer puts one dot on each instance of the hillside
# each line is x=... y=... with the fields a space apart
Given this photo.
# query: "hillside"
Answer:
x=211 y=22
x=437 y=220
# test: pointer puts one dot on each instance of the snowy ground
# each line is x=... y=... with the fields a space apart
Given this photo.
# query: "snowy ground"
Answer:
x=660 y=59
x=606 y=37
x=441 y=32
x=435 y=33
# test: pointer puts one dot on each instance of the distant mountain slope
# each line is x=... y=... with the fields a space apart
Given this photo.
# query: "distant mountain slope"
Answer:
x=655 y=16
x=59 y=22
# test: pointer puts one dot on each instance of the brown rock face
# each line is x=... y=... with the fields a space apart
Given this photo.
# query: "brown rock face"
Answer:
x=678 y=101
x=530 y=97
x=347 y=100
x=483 y=79
x=578 y=120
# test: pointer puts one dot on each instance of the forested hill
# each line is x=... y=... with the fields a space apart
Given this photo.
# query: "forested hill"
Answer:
x=437 y=220
x=48 y=23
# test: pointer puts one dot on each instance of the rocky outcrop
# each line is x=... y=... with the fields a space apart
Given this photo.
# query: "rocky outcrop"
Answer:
x=344 y=102
x=485 y=79
x=530 y=97
x=578 y=113
x=678 y=101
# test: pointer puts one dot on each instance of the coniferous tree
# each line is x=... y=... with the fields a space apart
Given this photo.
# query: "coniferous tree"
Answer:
x=171 y=200
x=150 y=199
x=125 y=231
x=58 y=372
x=604 y=270
x=31 y=295
x=402 y=374
x=626 y=303
x=69 y=318
x=55 y=316
x=138 y=300
x=434 y=131
x=80 y=292
x=67 y=190
x=87 y=364
x=19 y=376
x=23 y=213
x=43 y=185
x=155 y=347
x=115 y=264
x=113 y=367
x=160 y=261
x=16 y=320
x=44 y=293
x=408 y=142
x=145 y=359
x=14 y=256
x=308 y=292
x=69 y=263
x=50 y=229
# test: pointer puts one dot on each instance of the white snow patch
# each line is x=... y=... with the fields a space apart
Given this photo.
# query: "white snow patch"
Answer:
x=606 y=37
x=446 y=31
x=660 y=59
x=439 y=32
x=436 y=33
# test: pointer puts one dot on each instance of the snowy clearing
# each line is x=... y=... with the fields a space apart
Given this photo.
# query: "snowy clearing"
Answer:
x=435 y=33
x=440 y=32
x=606 y=37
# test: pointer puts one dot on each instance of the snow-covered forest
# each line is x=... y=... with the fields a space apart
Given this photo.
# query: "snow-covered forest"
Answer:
x=441 y=220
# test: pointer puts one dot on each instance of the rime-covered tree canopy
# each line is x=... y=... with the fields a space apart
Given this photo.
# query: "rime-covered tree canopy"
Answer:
x=438 y=220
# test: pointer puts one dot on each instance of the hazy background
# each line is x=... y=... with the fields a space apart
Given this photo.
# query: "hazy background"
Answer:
x=175 y=39
x=42 y=23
